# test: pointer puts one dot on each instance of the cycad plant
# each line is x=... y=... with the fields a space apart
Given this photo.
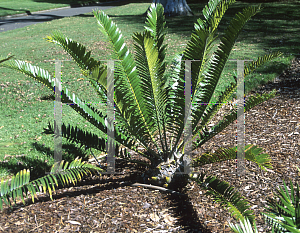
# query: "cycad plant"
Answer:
x=150 y=105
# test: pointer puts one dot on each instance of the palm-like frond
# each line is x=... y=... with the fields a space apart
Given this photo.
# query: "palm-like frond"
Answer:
x=85 y=110
x=259 y=62
x=97 y=73
x=76 y=50
x=20 y=182
x=76 y=135
x=205 y=135
x=6 y=59
x=200 y=45
x=207 y=81
x=128 y=93
x=35 y=72
x=94 y=70
x=151 y=72
x=222 y=192
x=216 y=65
x=90 y=140
x=211 y=110
x=156 y=26
x=198 y=49
x=245 y=227
x=252 y=153
x=284 y=214
x=150 y=55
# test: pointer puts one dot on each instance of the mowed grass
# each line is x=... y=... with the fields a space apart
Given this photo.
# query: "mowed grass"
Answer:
x=12 y=7
x=26 y=106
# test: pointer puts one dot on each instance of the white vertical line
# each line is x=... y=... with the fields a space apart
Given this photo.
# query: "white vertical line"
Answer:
x=57 y=113
x=187 y=116
x=240 y=169
x=110 y=146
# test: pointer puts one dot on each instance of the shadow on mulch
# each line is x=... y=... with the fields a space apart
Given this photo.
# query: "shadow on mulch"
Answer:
x=182 y=207
x=186 y=214
x=284 y=85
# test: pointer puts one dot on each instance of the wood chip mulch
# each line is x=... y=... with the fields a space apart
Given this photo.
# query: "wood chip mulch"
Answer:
x=111 y=204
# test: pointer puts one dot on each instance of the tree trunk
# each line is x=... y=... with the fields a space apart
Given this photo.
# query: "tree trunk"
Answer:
x=175 y=7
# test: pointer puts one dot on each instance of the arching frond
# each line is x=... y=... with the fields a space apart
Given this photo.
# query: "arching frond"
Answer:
x=150 y=56
x=151 y=72
x=252 y=153
x=156 y=25
x=38 y=74
x=90 y=140
x=88 y=112
x=212 y=109
x=245 y=227
x=20 y=182
x=6 y=59
x=128 y=93
x=259 y=62
x=223 y=193
x=253 y=101
x=284 y=214
x=175 y=102
x=92 y=69
x=206 y=88
x=76 y=50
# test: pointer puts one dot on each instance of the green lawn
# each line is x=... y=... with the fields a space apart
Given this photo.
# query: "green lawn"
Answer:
x=25 y=105
x=12 y=7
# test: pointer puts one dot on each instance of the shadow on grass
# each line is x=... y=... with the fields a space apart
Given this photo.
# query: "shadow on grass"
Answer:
x=38 y=18
x=18 y=10
x=287 y=84
x=274 y=67
x=275 y=27
x=39 y=167
x=42 y=17
x=48 y=97
x=79 y=3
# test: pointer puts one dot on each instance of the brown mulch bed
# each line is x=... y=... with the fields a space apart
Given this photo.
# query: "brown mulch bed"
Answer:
x=110 y=204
